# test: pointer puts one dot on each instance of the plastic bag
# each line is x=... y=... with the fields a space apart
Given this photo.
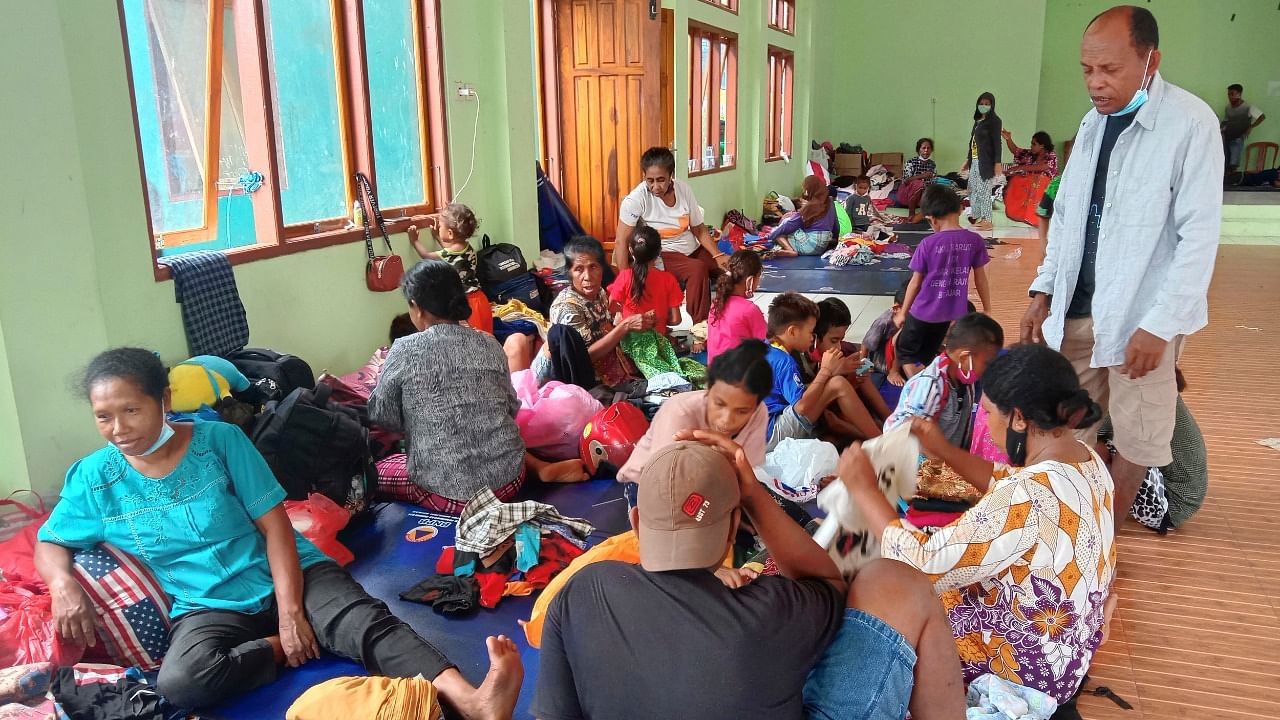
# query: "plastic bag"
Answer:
x=27 y=634
x=19 y=524
x=551 y=417
x=796 y=468
x=319 y=519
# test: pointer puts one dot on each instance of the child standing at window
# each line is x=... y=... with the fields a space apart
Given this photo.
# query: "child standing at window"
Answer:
x=643 y=289
x=939 y=290
x=734 y=317
x=452 y=229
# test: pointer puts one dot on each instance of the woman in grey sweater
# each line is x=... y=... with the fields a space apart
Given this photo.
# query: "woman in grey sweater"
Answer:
x=447 y=387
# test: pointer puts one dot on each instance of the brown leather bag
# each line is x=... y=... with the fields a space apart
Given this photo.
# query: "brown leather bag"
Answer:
x=382 y=273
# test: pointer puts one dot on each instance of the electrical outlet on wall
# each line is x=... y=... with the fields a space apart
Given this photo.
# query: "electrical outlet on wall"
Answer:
x=466 y=91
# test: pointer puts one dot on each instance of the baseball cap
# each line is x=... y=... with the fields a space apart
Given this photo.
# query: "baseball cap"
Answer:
x=687 y=495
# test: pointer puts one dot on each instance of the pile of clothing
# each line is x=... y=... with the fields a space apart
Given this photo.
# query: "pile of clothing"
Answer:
x=501 y=549
x=86 y=690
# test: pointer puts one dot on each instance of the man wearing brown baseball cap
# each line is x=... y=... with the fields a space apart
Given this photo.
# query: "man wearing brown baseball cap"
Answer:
x=668 y=639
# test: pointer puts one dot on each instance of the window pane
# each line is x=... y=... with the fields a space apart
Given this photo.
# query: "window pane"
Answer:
x=726 y=149
x=704 y=116
x=303 y=77
x=168 y=41
x=394 y=101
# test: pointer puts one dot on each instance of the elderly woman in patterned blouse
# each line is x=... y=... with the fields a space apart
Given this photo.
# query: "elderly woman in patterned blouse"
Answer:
x=1024 y=575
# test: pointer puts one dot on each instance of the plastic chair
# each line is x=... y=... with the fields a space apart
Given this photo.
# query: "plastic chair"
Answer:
x=1264 y=157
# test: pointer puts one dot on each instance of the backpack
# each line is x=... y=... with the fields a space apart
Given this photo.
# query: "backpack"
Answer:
x=521 y=287
x=497 y=264
x=288 y=372
x=315 y=445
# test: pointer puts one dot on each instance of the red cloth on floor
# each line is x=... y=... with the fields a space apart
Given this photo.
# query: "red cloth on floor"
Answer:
x=554 y=555
x=930 y=518
x=492 y=586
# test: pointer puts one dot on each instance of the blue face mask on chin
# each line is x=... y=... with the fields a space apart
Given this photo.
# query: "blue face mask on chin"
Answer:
x=1140 y=97
x=166 y=433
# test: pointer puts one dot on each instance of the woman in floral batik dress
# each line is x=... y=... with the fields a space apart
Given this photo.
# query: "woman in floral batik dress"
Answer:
x=1025 y=573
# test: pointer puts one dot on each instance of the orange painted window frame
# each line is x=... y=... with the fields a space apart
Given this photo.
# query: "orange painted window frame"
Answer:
x=717 y=37
x=351 y=73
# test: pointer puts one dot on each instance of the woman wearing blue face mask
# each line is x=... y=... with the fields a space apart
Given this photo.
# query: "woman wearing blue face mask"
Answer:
x=1024 y=574
x=197 y=504
x=983 y=160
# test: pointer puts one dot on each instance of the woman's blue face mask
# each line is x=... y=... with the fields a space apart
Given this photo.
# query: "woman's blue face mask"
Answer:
x=984 y=109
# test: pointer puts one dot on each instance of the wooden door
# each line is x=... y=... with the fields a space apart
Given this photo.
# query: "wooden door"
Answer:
x=608 y=99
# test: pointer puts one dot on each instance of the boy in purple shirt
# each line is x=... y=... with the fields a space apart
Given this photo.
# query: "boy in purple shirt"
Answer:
x=939 y=290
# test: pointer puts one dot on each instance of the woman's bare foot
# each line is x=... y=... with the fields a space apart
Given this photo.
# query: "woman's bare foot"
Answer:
x=565 y=471
x=495 y=699
x=787 y=252
x=895 y=377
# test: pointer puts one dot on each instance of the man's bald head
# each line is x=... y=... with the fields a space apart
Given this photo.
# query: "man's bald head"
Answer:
x=1144 y=32
x=1118 y=56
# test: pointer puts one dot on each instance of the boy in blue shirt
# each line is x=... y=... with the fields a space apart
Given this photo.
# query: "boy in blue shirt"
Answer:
x=794 y=408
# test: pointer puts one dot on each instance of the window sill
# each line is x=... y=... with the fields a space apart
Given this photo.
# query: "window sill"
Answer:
x=701 y=173
x=713 y=3
x=775 y=158
x=784 y=31
x=289 y=246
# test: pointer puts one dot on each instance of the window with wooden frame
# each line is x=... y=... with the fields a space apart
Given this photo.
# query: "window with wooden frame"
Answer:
x=252 y=117
x=730 y=5
x=713 y=99
x=777 y=126
x=782 y=15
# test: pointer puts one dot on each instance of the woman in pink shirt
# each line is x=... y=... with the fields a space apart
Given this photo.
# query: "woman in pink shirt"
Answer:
x=737 y=383
x=734 y=317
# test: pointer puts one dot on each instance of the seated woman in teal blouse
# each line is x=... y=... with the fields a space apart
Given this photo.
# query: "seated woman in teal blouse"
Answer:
x=200 y=507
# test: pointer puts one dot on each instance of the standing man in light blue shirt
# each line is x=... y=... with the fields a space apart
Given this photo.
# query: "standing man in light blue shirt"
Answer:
x=1133 y=242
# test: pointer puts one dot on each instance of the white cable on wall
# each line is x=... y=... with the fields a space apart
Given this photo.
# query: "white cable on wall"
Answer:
x=475 y=130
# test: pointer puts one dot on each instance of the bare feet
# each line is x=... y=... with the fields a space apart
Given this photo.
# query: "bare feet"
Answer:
x=495 y=699
x=565 y=471
x=787 y=252
x=895 y=377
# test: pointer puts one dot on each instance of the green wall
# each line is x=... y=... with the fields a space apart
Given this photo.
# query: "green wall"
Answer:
x=897 y=71
x=75 y=273
x=745 y=185
x=1204 y=52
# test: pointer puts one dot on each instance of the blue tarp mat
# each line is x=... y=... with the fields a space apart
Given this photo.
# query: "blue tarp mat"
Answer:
x=387 y=564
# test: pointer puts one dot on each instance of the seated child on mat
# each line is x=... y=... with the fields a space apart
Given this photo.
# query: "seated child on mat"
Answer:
x=939 y=290
x=734 y=317
x=794 y=407
x=944 y=391
x=877 y=344
x=834 y=320
x=643 y=289
x=452 y=229
x=860 y=208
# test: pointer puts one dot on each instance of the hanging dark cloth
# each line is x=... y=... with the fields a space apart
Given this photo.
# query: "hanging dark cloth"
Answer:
x=570 y=357
x=556 y=222
x=212 y=314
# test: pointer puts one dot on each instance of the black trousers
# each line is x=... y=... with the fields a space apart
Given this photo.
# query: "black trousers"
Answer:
x=215 y=655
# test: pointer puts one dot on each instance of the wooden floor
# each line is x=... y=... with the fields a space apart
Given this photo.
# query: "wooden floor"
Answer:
x=1197 y=632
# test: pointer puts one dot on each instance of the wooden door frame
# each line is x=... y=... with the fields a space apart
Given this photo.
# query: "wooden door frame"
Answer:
x=549 y=92
x=548 y=74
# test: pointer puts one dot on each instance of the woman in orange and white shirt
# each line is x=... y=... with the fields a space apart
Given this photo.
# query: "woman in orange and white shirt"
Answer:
x=1024 y=575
